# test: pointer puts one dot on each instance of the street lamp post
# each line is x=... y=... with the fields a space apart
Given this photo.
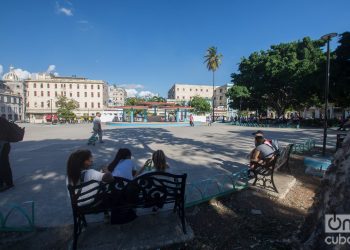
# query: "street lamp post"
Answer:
x=327 y=37
x=51 y=111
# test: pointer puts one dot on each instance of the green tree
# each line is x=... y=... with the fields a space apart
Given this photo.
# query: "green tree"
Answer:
x=288 y=75
x=132 y=101
x=200 y=104
x=237 y=94
x=340 y=73
x=156 y=99
x=66 y=107
x=213 y=61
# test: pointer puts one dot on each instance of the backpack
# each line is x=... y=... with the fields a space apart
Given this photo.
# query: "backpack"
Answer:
x=274 y=145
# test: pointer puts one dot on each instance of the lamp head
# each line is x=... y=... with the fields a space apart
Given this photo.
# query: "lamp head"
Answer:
x=329 y=36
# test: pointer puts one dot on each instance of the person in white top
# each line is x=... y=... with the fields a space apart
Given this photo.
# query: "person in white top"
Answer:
x=97 y=129
x=122 y=165
x=79 y=171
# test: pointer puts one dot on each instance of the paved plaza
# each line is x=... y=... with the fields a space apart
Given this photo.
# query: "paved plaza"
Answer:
x=39 y=162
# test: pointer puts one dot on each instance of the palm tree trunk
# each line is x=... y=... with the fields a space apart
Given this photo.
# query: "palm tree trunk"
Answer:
x=213 y=98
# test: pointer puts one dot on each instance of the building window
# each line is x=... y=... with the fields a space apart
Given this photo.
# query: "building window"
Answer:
x=42 y=104
x=34 y=85
x=201 y=90
x=196 y=89
x=56 y=104
x=70 y=94
x=78 y=94
x=64 y=93
x=220 y=97
x=183 y=89
x=85 y=104
x=42 y=93
x=92 y=93
x=207 y=90
x=48 y=85
x=177 y=97
x=55 y=85
x=178 y=89
x=98 y=105
x=48 y=93
x=85 y=94
x=190 y=89
x=41 y=85
x=98 y=86
x=220 y=90
x=92 y=105
x=70 y=86
x=48 y=104
x=9 y=110
x=92 y=86
x=98 y=94
x=55 y=93
x=35 y=104
x=61 y=93
x=34 y=93
x=77 y=86
x=85 y=87
x=183 y=97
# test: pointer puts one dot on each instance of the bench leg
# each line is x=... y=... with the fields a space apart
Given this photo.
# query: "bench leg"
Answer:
x=75 y=233
x=181 y=214
x=273 y=183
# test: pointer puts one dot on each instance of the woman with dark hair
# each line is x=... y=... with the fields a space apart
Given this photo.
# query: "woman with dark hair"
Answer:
x=79 y=171
x=6 y=181
x=122 y=165
x=157 y=163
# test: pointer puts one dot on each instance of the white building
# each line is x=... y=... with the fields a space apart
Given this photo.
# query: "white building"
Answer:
x=42 y=94
x=116 y=96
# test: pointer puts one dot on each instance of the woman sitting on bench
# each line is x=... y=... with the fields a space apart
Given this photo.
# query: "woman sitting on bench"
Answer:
x=157 y=163
x=79 y=171
x=122 y=165
x=262 y=154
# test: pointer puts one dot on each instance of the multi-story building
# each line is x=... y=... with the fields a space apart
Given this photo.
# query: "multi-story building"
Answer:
x=43 y=90
x=185 y=92
x=10 y=104
x=116 y=96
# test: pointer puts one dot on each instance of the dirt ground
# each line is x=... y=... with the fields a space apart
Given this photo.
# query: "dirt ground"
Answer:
x=242 y=220
x=252 y=220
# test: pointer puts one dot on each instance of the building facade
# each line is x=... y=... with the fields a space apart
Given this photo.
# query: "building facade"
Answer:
x=116 y=96
x=43 y=91
x=10 y=104
x=185 y=92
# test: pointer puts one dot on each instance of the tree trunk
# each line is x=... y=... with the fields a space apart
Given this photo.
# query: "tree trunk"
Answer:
x=213 y=118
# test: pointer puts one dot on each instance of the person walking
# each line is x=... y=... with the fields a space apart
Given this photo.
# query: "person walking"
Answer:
x=97 y=129
x=191 y=120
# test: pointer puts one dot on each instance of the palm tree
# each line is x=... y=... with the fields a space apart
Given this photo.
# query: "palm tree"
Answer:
x=213 y=61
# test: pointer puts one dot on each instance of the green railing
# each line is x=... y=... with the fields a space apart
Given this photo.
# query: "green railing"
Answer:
x=265 y=124
x=220 y=185
x=304 y=146
x=29 y=217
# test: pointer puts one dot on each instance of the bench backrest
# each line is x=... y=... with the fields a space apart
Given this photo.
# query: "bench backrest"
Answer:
x=147 y=190
x=284 y=156
x=152 y=189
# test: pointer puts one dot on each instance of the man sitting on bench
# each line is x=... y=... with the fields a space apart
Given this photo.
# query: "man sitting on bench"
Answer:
x=262 y=154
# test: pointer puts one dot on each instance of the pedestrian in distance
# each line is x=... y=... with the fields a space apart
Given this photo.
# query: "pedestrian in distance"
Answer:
x=97 y=128
x=191 y=120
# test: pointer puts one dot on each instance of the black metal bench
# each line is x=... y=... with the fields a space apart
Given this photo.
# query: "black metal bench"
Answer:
x=264 y=172
x=146 y=191
x=340 y=139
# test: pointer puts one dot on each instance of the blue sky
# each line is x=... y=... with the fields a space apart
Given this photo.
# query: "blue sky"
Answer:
x=154 y=43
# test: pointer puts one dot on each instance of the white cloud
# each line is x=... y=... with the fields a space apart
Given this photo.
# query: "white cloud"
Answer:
x=22 y=74
x=1 y=69
x=63 y=10
x=131 y=92
x=51 y=68
x=146 y=94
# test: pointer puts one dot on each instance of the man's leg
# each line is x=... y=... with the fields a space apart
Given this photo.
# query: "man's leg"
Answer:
x=100 y=135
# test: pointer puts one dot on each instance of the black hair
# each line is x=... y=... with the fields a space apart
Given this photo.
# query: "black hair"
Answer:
x=122 y=154
x=75 y=165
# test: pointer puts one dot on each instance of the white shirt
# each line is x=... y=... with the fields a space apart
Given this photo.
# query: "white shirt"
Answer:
x=89 y=175
x=124 y=169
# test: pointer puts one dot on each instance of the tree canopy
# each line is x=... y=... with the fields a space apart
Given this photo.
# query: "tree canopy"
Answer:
x=286 y=75
x=200 y=104
x=66 y=107
x=238 y=94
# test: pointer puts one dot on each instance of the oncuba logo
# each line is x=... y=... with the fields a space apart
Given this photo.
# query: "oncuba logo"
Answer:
x=337 y=224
